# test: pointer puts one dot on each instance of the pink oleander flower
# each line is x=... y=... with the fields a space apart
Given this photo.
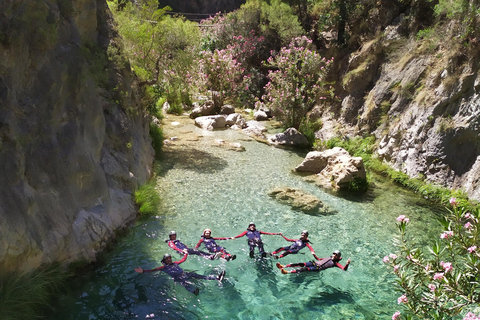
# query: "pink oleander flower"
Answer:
x=468 y=226
x=438 y=276
x=396 y=315
x=402 y=299
x=427 y=267
x=432 y=287
x=402 y=218
x=395 y=268
x=453 y=201
x=446 y=235
x=471 y=316
x=446 y=265
x=393 y=256
x=472 y=249
x=386 y=259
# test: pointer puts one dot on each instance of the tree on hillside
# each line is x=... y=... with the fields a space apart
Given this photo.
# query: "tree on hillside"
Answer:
x=160 y=48
x=296 y=81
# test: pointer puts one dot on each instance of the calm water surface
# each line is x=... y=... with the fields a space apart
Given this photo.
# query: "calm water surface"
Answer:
x=205 y=184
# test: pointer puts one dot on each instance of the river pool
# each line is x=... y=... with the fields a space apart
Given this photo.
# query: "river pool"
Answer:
x=206 y=184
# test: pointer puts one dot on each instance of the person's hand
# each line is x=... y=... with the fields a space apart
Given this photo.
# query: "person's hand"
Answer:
x=139 y=270
x=231 y=238
x=279 y=233
x=348 y=261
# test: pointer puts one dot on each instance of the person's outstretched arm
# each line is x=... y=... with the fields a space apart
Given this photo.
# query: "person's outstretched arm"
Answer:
x=239 y=236
x=199 y=243
x=311 y=249
x=345 y=267
x=182 y=260
x=140 y=270
x=272 y=233
x=174 y=247
x=291 y=240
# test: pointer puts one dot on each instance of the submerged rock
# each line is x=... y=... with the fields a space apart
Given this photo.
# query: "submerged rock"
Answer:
x=299 y=200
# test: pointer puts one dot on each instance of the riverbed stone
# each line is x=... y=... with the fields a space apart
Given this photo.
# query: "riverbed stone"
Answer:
x=290 y=137
x=299 y=200
x=211 y=122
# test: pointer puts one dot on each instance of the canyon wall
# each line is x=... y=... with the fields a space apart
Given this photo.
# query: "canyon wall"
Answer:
x=74 y=141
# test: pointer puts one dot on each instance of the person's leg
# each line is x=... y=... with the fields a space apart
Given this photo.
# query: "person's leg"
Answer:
x=200 y=253
x=279 y=249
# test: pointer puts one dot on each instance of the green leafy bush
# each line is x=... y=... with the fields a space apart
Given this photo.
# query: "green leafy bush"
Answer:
x=147 y=198
x=443 y=281
x=26 y=296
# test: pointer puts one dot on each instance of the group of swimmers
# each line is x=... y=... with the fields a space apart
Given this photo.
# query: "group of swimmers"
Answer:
x=254 y=241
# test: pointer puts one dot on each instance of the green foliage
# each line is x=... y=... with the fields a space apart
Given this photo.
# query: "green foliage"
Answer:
x=249 y=35
x=443 y=281
x=434 y=193
x=296 y=79
x=147 y=198
x=26 y=296
x=358 y=185
x=308 y=129
x=156 y=134
x=161 y=49
x=356 y=147
x=425 y=33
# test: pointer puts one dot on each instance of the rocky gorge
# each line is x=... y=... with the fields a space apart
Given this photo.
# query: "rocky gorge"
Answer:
x=74 y=136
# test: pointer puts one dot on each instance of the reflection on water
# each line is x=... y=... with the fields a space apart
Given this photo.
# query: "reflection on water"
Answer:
x=205 y=184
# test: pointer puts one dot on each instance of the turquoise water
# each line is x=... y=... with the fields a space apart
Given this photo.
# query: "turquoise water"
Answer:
x=206 y=185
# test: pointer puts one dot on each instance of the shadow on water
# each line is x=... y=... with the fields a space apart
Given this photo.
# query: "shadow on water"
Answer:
x=190 y=159
x=266 y=274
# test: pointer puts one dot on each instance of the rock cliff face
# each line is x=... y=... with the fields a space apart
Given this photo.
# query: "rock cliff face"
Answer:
x=421 y=99
x=74 y=142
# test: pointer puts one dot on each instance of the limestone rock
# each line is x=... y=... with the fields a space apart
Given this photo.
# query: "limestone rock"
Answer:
x=335 y=168
x=211 y=122
x=255 y=129
x=290 y=137
x=206 y=109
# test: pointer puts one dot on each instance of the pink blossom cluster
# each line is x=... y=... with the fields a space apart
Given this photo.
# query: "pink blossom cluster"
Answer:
x=396 y=315
x=471 y=316
x=446 y=235
x=402 y=299
x=447 y=266
x=403 y=218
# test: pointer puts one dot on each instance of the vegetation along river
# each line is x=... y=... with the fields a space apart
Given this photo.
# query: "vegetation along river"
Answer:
x=206 y=184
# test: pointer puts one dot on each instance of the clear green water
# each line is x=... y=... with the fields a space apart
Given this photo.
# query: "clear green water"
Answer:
x=207 y=186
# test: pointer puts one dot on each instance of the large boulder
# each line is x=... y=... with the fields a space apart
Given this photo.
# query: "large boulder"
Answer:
x=334 y=168
x=299 y=200
x=211 y=122
x=206 y=109
x=290 y=137
x=255 y=129
x=236 y=120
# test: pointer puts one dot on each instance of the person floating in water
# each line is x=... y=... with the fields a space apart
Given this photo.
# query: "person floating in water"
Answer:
x=212 y=246
x=297 y=245
x=180 y=276
x=318 y=265
x=183 y=249
x=254 y=239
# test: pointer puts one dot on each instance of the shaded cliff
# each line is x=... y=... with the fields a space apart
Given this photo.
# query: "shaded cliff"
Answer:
x=74 y=141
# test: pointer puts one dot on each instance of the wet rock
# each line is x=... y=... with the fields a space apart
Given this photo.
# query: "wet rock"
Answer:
x=299 y=200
